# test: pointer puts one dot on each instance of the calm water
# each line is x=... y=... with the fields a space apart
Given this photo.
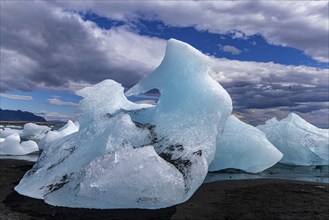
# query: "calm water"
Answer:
x=30 y=157
x=278 y=171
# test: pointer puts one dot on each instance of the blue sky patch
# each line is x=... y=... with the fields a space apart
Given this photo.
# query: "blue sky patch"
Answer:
x=249 y=48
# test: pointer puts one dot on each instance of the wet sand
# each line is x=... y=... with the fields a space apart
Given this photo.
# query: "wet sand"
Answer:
x=232 y=199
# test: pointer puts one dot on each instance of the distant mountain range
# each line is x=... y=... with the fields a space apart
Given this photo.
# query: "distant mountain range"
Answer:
x=11 y=115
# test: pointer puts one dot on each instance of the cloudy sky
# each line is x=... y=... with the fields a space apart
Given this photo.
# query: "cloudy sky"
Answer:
x=271 y=56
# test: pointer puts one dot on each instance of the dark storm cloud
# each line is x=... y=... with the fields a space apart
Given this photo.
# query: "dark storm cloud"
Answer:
x=307 y=107
x=271 y=95
x=263 y=90
x=316 y=116
x=57 y=49
x=265 y=83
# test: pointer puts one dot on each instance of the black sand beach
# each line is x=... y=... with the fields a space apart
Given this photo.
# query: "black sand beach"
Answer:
x=234 y=199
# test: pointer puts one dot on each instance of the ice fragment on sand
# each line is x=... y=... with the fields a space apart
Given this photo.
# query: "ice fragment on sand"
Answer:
x=52 y=136
x=244 y=147
x=11 y=146
x=300 y=142
x=33 y=131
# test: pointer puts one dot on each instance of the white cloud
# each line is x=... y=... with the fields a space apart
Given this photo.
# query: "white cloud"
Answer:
x=299 y=24
x=67 y=53
x=224 y=70
x=57 y=101
x=231 y=49
x=239 y=35
x=16 y=97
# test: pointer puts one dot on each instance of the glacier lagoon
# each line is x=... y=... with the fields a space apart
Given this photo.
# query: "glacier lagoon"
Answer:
x=156 y=156
x=313 y=173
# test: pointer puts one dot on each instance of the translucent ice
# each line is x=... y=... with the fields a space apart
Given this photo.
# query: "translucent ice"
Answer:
x=52 y=136
x=184 y=118
x=103 y=130
x=5 y=132
x=11 y=146
x=244 y=147
x=128 y=155
x=32 y=131
x=300 y=142
x=190 y=99
x=127 y=178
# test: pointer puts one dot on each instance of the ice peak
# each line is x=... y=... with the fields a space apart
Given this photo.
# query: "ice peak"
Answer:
x=294 y=117
x=181 y=61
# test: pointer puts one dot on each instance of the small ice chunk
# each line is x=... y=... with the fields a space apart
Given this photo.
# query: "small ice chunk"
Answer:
x=244 y=147
x=52 y=136
x=5 y=132
x=300 y=142
x=12 y=146
x=33 y=131
x=14 y=127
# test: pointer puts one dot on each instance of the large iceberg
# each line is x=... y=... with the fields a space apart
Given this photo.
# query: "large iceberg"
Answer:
x=11 y=145
x=128 y=155
x=300 y=142
x=51 y=136
x=244 y=147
